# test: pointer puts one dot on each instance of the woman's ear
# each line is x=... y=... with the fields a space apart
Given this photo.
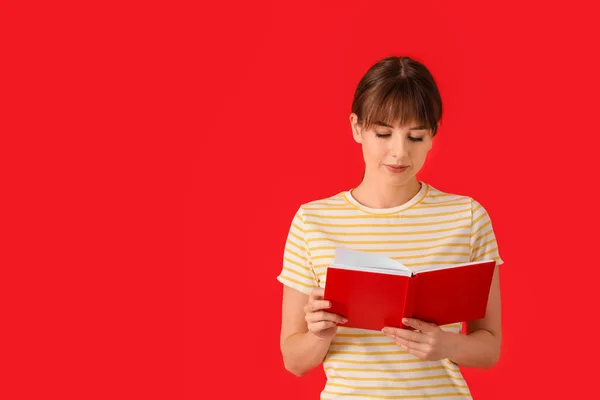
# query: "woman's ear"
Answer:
x=356 y=129
x=432 y=140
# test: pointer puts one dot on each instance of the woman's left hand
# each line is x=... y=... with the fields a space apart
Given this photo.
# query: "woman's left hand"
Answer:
x=429 y=342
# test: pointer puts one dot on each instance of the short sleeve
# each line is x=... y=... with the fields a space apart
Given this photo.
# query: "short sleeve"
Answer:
x=297 y=271
x=483 y=239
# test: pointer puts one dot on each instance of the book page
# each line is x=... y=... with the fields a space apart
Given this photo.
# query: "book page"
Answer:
x=365 y=261
x=440 y=267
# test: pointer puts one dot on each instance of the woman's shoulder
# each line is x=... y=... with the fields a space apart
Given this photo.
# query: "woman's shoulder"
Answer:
x=444 y=197
x=436 y=196
x=334 y=201
x=440 y=195
x=324 y=207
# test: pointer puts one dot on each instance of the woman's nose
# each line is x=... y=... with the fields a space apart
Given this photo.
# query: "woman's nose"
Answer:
x=398 y=149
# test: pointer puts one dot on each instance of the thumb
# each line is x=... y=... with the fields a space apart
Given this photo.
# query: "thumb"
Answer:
x=317 y=293
x=422 y=326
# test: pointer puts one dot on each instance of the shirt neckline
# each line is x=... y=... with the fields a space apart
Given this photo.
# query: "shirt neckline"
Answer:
x=417 y=198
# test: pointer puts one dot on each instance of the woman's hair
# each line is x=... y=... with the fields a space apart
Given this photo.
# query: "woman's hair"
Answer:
x=398 y=90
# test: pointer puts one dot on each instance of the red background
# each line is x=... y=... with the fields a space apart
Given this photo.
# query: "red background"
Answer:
x=154 y=155
x=519 y=83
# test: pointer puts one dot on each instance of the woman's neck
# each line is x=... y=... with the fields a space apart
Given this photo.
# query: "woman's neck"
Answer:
x=374 y=195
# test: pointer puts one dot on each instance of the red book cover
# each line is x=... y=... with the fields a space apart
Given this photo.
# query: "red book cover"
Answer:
x=373 y=291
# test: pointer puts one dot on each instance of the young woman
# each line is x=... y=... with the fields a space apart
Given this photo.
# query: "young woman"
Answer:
x=395 y=116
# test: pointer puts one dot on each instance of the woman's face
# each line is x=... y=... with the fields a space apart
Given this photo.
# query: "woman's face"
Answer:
x=392 y=154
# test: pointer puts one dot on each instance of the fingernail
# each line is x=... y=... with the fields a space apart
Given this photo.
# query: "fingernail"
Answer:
x=344 y=320
x=385 y=330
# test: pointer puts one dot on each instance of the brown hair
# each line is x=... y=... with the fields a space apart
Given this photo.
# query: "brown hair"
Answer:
x=398 y=90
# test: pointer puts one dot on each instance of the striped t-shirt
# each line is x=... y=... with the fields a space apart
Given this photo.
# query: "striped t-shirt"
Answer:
x=433 y=228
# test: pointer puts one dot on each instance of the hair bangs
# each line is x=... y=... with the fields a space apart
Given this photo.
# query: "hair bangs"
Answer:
x=398 y=103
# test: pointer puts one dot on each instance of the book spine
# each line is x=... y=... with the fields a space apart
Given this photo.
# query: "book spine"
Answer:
x=409 y=301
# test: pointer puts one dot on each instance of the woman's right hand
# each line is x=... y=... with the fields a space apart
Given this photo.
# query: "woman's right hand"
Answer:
x=321 y=323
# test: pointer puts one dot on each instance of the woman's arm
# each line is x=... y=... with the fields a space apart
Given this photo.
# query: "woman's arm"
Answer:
x=480 y=347
x=306 y=330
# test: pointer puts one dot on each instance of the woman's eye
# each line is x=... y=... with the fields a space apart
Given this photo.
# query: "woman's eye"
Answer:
x=415 y=139
x=383 y=135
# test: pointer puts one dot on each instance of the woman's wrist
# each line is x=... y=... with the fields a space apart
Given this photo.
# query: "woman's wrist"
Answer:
x=455 y=344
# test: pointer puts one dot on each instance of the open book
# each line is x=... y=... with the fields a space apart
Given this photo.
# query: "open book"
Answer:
x=373 y=291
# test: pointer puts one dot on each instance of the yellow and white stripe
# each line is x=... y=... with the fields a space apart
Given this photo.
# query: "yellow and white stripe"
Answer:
x=433 y=228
